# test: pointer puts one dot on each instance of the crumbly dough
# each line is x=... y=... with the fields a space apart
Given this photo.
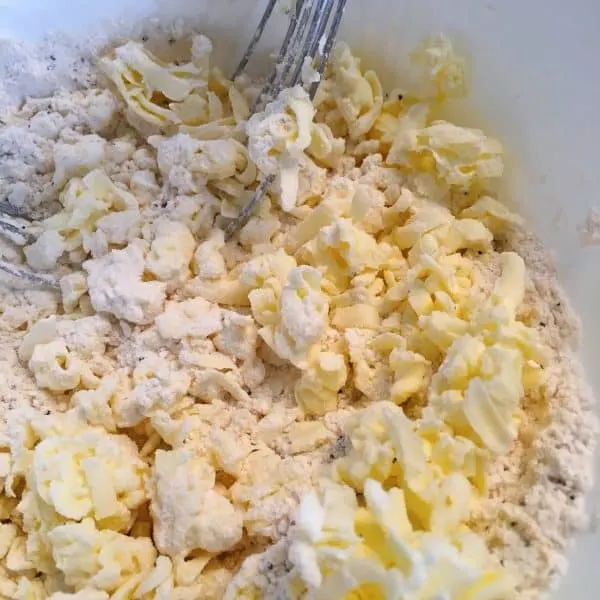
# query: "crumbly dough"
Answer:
x=371 y=392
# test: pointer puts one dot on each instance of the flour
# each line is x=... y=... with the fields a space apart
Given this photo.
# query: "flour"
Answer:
x=46 y=142
x=66 y=62
x=17 y=387
x=201 y=384
x=40 y=70
x=537 y=491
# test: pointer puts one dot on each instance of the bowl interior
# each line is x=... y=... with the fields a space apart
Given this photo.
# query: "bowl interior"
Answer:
x=534 y=84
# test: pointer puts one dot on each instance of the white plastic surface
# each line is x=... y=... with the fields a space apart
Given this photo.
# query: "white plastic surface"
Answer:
x=535 y=84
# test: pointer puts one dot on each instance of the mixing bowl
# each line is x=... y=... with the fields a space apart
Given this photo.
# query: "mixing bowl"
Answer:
x=534 y=84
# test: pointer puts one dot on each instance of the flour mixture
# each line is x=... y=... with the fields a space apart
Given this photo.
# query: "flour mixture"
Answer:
x=369 y=393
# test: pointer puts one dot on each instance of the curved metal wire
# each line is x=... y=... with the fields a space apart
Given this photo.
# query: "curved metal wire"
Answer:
x=266 y=89
x=27 y=236
x=312 y=31
x=311 y=42
x=255 y=38
x=35 y=278
x=328 y=45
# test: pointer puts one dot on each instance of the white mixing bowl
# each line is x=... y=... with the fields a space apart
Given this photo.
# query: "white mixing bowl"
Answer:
x=535 y=85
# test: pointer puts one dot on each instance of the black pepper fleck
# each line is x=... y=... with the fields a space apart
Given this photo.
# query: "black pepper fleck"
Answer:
x=557 y=480
x=52 y=57
x=171 y=41
x=144 y=38
x=400 y=96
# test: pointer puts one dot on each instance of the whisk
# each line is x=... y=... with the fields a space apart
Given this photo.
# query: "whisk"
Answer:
x=310 y=36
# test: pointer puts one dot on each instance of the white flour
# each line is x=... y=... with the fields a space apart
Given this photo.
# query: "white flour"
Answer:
x=67 y=61
x=537 y=498
x=538 y=490
x=39 y=71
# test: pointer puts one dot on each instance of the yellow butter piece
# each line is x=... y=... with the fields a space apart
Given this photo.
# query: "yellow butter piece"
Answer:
x=444 y=67
x=215 y=360
x=266 y=480
x=184 y=503
x=425 y=218
x=510 y=287
x=420 y=300
x=228 y=292
x=324 y=146
x=102 y=489
x=196 y=318
x=17 y=557
x=264 y=303
x=307 y=435
x=96 y=214
x=371 y=372
x=493 y=214
x=317 y=389
x=357 y=95
x=464 y=234
x=341 y=551
x=478 y=386
x=139 y=76
x=359 y=316
x=346 y=251
x=301 y=317
x=258 y=271
x=277 y=137
x=441 y=475
x=8 y=533
x=443 y=329
x=336 y=203
x=54 y=367
x=92 y=471
x=171 y=252
x=102 y=559
x=411 y=372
